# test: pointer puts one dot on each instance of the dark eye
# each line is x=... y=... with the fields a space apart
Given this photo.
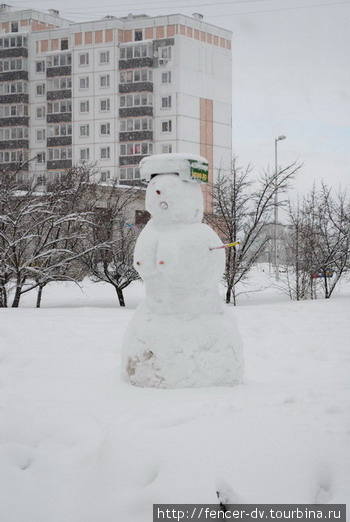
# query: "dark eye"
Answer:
x=157 y=191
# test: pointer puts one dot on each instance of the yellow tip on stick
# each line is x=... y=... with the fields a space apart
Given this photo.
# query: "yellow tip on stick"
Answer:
x=225 y=246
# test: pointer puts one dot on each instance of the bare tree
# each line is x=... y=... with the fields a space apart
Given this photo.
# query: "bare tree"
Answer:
x=242 y=210
x=18 y=208
x=332 y=238
x=318 y=243
x=72 y=202
x=42 y=235
x=112 y=262
x=296 y=279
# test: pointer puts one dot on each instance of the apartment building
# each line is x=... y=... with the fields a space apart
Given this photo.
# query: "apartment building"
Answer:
x=111 y=92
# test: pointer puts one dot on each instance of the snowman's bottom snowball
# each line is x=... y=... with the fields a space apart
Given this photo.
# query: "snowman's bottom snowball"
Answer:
x=165 y=351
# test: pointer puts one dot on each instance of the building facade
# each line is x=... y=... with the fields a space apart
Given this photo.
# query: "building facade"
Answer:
x=111 y=92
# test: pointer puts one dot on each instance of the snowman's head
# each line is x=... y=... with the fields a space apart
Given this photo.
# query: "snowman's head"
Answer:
x=172 y=200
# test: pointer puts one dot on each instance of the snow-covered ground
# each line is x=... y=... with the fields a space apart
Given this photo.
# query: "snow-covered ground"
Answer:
x=79 y=445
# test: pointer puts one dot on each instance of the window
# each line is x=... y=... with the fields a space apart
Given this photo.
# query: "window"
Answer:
x=40 y=89
x=165 y=53
x=58 y=176
x=59 y=129
x=58 y=84
x=138 y=36
x=84 y=130
x=141 y=75
x=105 y=152
x=166 y=126
x=167 y=149
x=126 y=77
x=40 y=135
x=136 y=51
x=130 y=173
x=14 y=27
x=84 y=59
x=40 y=112
x=126 y=125
x=105 y=105
x=13 y=64
x=64 y=45
x=146 y=123
x=59 y=60
x=59 y=107
x=13 y=87
x=135 y=100
x=105 y=175
x=13 y=110
x=136 y=124
x=166 y=77
x=84 y=154
x=40 y=158
x=84 y=106
x=20 y=177
x=166 y=102
x=84 y=82
x=104 y=80
x=14 y=41
x=59 y=153
x=13 y=133
x=135 y=149
x=41 y=180
x=104 y=56
x=40 y=66
x=13 y=156
x=105 y=129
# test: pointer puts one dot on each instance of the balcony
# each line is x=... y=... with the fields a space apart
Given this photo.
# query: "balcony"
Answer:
x=131 y=160
x=14 y=167
x=145 y=135
x=59 y=116
x=59 y=164
x=61 y=70
x=59 y=141
x=133 y=63
x=11 y=76
x=20 y=97
x=135 y=87
x=144 y=110
x=14 y=144
x=14 y=52
x=59 y=95
x=14 y=121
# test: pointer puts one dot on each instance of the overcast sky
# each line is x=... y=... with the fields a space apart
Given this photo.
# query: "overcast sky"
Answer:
x=291 y=75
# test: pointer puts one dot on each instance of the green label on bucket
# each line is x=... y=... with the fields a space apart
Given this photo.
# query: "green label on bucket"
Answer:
x=199 y=171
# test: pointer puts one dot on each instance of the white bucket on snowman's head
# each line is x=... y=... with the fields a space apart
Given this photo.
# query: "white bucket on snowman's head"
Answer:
x=189 y=167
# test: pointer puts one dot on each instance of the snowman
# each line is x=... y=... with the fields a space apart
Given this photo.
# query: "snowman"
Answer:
x=181 y=335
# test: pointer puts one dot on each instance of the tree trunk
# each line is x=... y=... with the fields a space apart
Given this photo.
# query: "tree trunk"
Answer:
x=3 y=297
x=228 y=294
x=120 y=296
x=234 y=296
x=326 y=293
x=15 y=303
x=39 y=296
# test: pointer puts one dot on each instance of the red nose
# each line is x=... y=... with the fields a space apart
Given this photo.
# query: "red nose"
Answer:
x=157 y=191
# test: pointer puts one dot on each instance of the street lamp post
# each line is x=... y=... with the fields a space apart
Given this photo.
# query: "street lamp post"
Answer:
x=276 y=211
